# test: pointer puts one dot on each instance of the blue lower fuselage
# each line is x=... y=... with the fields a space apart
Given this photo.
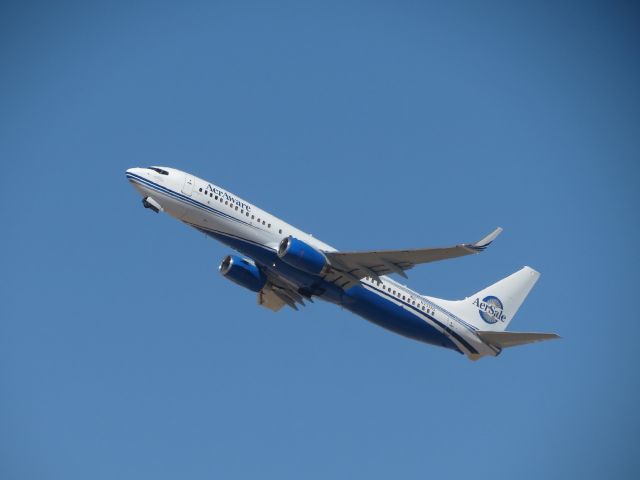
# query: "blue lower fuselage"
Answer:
x=371 y=304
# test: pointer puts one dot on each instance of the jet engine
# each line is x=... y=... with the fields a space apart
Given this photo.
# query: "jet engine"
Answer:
x=302 y=256
x=243 y=272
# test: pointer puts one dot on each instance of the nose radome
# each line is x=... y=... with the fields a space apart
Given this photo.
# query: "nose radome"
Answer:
x=132 y=171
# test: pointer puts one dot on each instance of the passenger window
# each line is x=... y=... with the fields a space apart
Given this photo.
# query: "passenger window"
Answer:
x=269 y=226
x=263 y=222
x=241 y=211
x=247 y=214
x=280 y=231
x=253 y=217
x=236 y=208
x=216 y=197
x=211 y=194
x=226 y=202
x=200 y=189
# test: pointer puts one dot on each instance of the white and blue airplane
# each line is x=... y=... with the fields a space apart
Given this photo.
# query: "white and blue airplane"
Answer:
x=286 y=266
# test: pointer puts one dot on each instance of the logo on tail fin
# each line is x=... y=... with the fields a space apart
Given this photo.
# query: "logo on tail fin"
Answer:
x=490 y=309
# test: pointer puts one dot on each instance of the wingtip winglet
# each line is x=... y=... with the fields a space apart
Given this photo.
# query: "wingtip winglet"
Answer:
x=490 y=238
x=480 y=245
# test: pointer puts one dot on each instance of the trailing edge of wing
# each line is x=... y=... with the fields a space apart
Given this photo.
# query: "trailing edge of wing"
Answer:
x=357 y=265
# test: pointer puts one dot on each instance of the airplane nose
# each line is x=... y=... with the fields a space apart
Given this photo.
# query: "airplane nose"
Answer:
x=132 y=171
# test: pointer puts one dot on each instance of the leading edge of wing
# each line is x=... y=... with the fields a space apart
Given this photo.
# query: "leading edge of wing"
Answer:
x=381 y=262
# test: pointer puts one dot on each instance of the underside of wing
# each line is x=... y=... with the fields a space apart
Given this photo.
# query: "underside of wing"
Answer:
x=350 y=267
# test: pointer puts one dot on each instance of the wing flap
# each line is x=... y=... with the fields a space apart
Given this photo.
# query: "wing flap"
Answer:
x=277 y=293
x=269 y=299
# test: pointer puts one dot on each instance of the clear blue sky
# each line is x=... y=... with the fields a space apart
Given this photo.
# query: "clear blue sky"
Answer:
x=124 y=354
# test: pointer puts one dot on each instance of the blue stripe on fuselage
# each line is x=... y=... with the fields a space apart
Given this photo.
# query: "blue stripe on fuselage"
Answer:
x=422 y=314
x=388 y=314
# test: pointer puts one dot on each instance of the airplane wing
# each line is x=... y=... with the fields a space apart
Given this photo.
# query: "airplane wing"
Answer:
x=349 y=267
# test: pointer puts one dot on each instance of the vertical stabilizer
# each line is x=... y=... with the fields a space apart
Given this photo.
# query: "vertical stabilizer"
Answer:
x=494 y=307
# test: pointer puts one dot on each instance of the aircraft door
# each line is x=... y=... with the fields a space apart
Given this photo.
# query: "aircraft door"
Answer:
x=187 y=188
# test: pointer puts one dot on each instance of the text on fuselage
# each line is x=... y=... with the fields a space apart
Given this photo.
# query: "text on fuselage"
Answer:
x=226 y=196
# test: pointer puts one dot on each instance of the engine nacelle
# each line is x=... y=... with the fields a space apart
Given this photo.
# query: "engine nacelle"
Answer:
x=302 y=256
x=243 y=272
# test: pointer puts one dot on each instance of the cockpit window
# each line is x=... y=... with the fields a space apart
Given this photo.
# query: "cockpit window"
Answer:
x=159 y=170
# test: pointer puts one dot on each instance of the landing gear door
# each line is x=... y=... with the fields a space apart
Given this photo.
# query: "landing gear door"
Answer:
x=187 y=188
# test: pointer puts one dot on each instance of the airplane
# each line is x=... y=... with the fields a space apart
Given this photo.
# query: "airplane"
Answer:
x=285 y=266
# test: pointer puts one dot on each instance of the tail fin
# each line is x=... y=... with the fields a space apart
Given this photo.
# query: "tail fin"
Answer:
x=494 y=307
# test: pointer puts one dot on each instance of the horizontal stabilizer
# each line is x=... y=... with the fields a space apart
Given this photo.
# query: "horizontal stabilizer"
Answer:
x=513 y=339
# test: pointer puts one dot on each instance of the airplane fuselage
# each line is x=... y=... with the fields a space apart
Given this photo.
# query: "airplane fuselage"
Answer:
x=256 y=234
